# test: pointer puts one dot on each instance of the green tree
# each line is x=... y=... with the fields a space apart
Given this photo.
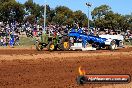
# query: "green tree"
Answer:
x=63 y=15
x=115 y=21
x=30 y=19
x=3 y=1
x=11 y=10
x=128 y=21
x=59 y=19
x=100 y=12
x=33 y=9
x=80 y=17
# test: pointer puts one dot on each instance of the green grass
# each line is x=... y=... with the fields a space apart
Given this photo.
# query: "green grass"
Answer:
x=128 y=42
x=26 y=41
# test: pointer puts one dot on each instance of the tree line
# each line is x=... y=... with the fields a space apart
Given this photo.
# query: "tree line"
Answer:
x=102 y=17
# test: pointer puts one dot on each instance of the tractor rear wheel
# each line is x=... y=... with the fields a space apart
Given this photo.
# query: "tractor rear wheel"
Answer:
x=65 y=44
x=39 y=46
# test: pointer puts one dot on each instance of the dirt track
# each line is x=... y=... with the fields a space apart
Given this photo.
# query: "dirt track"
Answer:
x=28 y=68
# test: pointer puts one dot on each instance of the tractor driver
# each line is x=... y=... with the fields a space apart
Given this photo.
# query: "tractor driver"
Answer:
x=54 y=33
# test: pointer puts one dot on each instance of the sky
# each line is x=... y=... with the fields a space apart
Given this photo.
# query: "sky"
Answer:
x=119 y=6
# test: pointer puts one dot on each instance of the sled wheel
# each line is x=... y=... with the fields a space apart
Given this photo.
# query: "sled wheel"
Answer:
x=98 y=47
x=120 y=43
x=112 y=45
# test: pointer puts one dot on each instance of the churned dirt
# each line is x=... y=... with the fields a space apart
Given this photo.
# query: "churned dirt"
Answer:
x=28 y=68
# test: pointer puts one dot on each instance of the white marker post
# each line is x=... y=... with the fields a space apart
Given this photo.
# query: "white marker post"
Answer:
x=44 y=17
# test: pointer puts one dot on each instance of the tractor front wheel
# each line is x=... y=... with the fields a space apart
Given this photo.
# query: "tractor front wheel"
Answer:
x=51 y=46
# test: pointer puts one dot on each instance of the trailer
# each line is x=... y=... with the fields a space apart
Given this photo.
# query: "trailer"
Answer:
x=80 y=40
x=118 y=38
